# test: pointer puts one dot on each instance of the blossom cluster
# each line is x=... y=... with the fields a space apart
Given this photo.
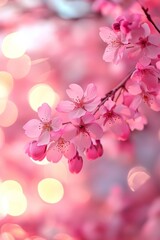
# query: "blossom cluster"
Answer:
x=87 y=115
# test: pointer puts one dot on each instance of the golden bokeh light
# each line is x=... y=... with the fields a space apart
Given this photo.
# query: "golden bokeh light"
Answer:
x=19 y=67
x=16 y=203
x=41 y=93
x=12 y=199
x=10 y=110
x=137 y=176
x=3 y=102
x=50 y=190
x=10 y=185
x=6 y=84
x=13 y=45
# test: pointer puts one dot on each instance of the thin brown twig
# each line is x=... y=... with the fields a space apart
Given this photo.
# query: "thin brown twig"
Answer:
x=148 y=16
x=114 y=90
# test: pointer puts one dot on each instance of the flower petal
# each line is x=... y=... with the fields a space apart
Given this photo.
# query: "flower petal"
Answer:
x=82 y=141
x=70 y=151
x=75 y=92
x=44 y=113
x=53 y=153
x=107 y=35
x=77 y=113
x=95 y=130
x=65 y=106
x=44 y=138
x=56 y=123
x=33 y=128
x=90 y=93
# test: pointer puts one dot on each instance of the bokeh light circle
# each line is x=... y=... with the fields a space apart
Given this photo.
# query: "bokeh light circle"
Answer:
x=137 y=176
x=19 y=67
x=41 y=93
x=50 y=190
x=9 y=115
x=13 y=45
x=6 y=84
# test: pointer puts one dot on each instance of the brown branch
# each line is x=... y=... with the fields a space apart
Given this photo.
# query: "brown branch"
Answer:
x=148 y=16
x=114 y=90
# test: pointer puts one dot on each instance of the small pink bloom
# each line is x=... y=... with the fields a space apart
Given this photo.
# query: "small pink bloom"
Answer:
x=127 y=24
x=36 y=152
x=114 y=118
x=75 y=164
x=42 y=127
x=137 y=122
x=95 y=150
x=81 y=101
x=115 y=48
x=60 y=146
x=143 y=94
x=86 y=130
x=147 y=43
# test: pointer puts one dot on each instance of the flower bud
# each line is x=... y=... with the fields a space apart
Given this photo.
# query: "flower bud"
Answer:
x=95 y=151
x=75 y=164
x=36 y=152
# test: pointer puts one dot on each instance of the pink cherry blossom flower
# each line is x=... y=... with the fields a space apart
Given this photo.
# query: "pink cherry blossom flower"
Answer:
x=86 y=129
x=42 y=127
x=115 y=47
x=75 y=164
x=147 y=44
x=61 y=146
x=81 y=101
x=114 y=118
x=147 y=74
x=95 y=150
x=137 y=122
x=36 y=152
x=143 y=94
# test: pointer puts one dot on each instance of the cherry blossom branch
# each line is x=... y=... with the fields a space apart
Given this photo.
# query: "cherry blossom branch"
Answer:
x=114 y=90
x=148 y=16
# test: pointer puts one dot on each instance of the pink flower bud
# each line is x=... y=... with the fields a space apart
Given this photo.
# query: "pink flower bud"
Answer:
x=36 y=152
x=99 y=148
x=94 y=151
x=75 y=164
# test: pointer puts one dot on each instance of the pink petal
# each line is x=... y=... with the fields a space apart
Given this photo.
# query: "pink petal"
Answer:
x=154 y=39
x=65 y=106
x=75 y=92
x=44 y=138
x=69 y=132
x=134 y=87
x=91 y=106
x=107 y=35
x=146 y=29
x=44 y=113
x=33 y=128
x=70 y=151
x=95 y=130
x=77 y=113
x=90 y=93
x=152 y=51
x=53 y=153
x=88 y=118
x=109 y=53
x=82 y=141
x=136 y=102
x=109 y=104
x=121 y=130
x=56 y=123
x=122 y=110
